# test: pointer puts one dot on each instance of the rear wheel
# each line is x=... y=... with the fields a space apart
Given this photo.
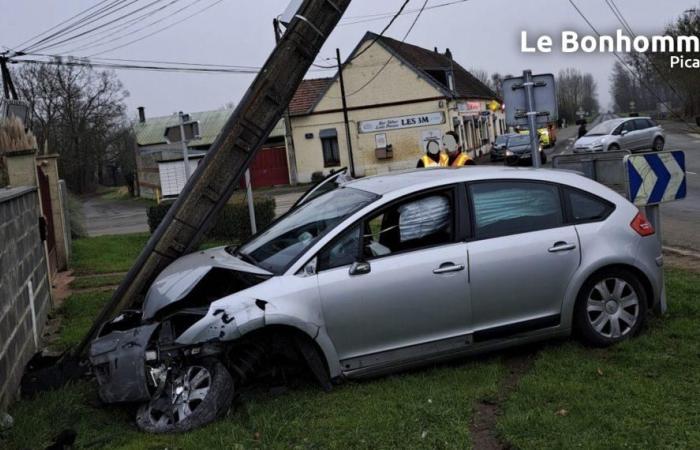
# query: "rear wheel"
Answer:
x=611 y=307
x=658 y=144
x=198 y=395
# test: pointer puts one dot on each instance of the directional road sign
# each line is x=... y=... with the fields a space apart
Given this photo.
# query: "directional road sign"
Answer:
x=656 y=177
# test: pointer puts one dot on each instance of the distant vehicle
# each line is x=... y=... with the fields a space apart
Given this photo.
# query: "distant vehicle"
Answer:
x=381 y=274
x=547 y=135
x=518 y=151
x=498 y=147
x=633 y=134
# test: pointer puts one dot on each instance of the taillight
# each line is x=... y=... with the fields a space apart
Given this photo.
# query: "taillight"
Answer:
x=641 y=225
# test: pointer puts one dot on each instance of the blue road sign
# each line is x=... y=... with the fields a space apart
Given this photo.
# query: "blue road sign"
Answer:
x=656 y=177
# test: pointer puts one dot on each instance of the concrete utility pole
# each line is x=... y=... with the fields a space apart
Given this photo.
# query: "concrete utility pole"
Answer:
x=288 y=135
x=529 y=87
x=185 y=150
x=345 y=113
x=219 y=173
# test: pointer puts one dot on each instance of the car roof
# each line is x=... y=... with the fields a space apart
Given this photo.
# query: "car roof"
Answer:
x=427 y=177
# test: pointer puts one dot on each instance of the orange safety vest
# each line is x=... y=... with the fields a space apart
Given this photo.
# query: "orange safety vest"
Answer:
x=461 y=160
x=429 y=162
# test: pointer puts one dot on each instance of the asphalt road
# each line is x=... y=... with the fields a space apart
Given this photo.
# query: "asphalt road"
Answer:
x=103 y=216
x=680 y=220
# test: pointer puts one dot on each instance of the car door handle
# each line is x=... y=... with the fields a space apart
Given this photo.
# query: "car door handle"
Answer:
x=448 y=267
x=561 y=246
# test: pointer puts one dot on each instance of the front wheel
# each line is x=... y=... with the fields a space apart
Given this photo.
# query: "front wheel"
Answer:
x=658 y=144
x=610 y=307
x=613 y=147
x=197 y=395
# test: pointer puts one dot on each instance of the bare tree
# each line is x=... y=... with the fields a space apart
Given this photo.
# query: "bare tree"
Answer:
x=75 y=112
x=576 y=90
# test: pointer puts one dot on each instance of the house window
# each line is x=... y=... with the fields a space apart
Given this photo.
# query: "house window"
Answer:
x=329 y=144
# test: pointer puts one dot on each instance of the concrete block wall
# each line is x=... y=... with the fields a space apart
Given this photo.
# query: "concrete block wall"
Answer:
x=25 y=293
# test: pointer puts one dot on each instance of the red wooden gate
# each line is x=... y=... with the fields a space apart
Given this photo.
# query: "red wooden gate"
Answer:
x=47 y=212
x=269 y=168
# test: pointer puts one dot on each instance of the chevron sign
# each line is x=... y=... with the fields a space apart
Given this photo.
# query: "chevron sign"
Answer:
x=655 y=178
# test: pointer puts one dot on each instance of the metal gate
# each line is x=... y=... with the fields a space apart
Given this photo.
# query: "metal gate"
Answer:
x=47 y=212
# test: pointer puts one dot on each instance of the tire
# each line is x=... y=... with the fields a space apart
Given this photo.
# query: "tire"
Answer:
x=213 y=383
x=543 y=157
x=613 y=147
x=658 y=144
x=598 y=314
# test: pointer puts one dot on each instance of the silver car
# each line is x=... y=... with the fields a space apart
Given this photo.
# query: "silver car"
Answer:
x=633 y=134
x=380 y=274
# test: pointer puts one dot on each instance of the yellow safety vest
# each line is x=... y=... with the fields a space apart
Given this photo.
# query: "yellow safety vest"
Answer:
x=429 y=162
x=461 y=160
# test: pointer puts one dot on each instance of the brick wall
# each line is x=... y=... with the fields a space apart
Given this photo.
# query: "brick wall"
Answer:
x=22 y=264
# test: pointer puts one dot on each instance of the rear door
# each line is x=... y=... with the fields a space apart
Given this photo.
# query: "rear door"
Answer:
x=521 y=257
x=644 y=134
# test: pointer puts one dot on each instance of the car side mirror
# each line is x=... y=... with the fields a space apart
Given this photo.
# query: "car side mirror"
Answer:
x=624 y=132
x=360 y=268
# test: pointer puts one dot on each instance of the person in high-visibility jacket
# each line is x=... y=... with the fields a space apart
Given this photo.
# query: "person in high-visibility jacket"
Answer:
x=433 y=156
x=455 y=156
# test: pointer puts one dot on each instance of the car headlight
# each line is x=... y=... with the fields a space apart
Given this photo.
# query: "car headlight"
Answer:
x=597 y=146
x=509 y=153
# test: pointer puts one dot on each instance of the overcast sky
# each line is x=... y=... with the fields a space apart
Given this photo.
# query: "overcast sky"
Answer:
x=482 y=34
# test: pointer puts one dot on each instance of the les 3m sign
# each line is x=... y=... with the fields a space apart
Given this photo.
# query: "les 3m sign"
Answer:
x=397 y=123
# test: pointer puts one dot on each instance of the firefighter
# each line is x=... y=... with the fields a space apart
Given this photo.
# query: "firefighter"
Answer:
x=455 y=156
x=433 y=156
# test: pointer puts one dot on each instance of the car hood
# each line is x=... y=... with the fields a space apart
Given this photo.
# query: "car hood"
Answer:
x=520 y=148
x=183 y=274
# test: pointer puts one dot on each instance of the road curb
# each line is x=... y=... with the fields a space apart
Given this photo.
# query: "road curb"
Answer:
x=681 y=252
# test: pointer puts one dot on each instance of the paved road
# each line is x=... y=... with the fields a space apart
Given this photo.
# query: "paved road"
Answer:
x=103 y=216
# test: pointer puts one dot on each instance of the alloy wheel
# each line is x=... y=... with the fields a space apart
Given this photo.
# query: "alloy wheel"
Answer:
x=612 y=307
x=186 y=393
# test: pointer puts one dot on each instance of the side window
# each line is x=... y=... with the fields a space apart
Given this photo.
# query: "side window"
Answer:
x=342 y=251
x=628 y=126
x=502 y=208
x=585 y=207
x=641 y=124
x=410 y=225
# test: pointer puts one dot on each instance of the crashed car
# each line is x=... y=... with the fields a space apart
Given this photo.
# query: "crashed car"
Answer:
x=371 y=276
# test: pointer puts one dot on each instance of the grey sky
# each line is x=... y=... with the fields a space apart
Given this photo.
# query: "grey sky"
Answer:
x=482 y=34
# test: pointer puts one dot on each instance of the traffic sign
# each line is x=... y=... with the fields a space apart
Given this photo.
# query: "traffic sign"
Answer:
x=657 y=177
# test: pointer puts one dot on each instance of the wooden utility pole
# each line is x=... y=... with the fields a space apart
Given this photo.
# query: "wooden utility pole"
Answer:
x=288 y=136
x=345 y=114
x=219 y=173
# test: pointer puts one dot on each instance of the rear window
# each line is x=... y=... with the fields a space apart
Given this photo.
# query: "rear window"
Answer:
x=585 y=207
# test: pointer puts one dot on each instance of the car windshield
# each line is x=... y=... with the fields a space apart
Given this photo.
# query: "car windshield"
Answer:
x=281 y=244
x=604 y=128
x=522 y=139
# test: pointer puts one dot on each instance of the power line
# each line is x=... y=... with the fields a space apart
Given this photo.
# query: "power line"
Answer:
x=391 y=56
x=118 y=28
x=159 y=30
x=379 y=16
x=199 y=68
x=102 y=25
x=624 y=63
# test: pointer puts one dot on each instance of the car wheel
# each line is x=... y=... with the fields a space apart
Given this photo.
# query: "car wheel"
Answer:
x=658 y=144
x=613 y=147
x=610 y=307
x=198 y=395
x=543 y=157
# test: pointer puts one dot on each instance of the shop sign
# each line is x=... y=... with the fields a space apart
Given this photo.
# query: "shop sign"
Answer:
x=396 y=123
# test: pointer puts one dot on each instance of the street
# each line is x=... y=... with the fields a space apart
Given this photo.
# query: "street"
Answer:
x=104 y=216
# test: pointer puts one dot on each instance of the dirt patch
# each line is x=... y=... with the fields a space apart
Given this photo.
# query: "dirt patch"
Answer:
x=110 y=287
x=60 y=287
x=488 y=410
x=680 y=261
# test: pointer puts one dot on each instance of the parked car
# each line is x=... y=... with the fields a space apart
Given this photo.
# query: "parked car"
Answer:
x=381 y=274
x=498 y=147
x=518 y=151
x=633 y=134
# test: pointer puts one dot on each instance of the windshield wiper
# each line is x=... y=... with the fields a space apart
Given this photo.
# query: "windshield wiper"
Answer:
x=247 y=258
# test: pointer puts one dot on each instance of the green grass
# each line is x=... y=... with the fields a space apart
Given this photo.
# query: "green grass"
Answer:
x=96 y=281
x=642 y=394
x=78 y=312
x=105 y=254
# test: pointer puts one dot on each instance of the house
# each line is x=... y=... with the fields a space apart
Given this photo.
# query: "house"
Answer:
x=160 y=165
x=399 y=96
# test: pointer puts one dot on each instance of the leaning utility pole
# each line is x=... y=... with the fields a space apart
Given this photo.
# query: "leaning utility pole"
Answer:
x=216 y=177
x=288 y=135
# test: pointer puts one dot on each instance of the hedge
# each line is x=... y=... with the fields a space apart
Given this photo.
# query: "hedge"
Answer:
x=232 y=224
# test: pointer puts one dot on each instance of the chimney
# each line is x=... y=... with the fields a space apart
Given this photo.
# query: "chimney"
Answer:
x=142 y=114
x=448 y=53
x=435 y=49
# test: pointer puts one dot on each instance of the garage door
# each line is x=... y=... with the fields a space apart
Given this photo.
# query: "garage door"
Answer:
x=269 y=168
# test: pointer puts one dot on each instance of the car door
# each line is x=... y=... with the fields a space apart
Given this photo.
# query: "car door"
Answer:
x=644 y=134
x=396 y=280
x=521 y=257
x=627 y=136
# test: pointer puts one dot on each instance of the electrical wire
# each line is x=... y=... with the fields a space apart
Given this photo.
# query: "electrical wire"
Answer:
x=123 y=66
x=379 y=16
x=629 y=69
x=158 y=30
